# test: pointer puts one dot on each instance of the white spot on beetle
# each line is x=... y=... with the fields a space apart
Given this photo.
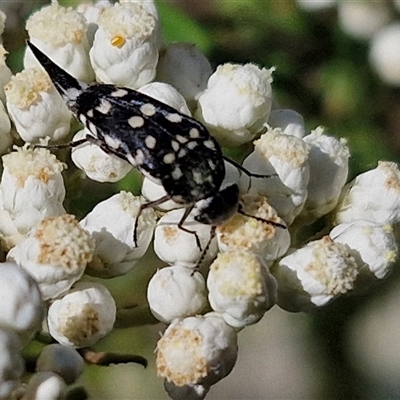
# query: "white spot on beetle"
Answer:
x=83 y=118
x=104 y=107
x=119 y=93
x=182 y=153
x=194 y=133
x=150 y=142
x=191 y=145
x=131 y=159
x=148 y=109
x=175 y=145
x=139 y=157
x=198 y=177
x=173 y=117
x=112 y=142
x=92 y=128
x=210 y=144
x=90 y=113
x=181 y=139
x=136 y=122
x=176 y=173
x=169 y=158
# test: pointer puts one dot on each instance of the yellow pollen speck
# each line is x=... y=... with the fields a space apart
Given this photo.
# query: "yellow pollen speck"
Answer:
x=118 y=41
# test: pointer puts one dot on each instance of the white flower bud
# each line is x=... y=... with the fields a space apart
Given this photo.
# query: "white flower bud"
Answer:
x=176 y=292
x=384 y=54
x=97 y=164
x=236 y=103
x=329 y=166
x=36 y=107
x=374 y=246
x=167 y=94
x=153 y=191
x=256 y=235
x=373 y=195
x=11 y=362
x=21 y=307
x=289 y=121
x=125 y=47
x=111 y=224
x=185 y=67
x=240 y=288
x=45 y=386
x=177 y=246
x=83 y=316
x=196 y=351
x=6 y=139
x=363 y=19
x=64 y=361
x=55 y=253
x=287 y=157
x=5 y=72
x=314 y=275
x=60 y=33
x=31 y=189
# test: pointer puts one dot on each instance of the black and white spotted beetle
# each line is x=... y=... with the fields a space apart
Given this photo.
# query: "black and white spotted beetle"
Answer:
x=163 y=144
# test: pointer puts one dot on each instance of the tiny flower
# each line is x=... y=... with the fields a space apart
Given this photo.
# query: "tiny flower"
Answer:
x=166 y=94
x=60 y=33
x=285 y=158
x=83 y=316
x=315 y=274
x=236 y=104
x=240 y=288
x=111 y=224
x=328 y=160
x=97 y=164
x=373 y=245
x=384 y=53
x=373 y=196
x=289 y=121
x=183 y=245
x=64 y=361
x=36 y=108
x=185 y=67
x=252 y=232
x=5 y=72
x=196 y=351
x=55 y=253
x=21 y=307
x=11 y=362
x=31 y=189
x=125 y=47
x=176 y=292
x=46 y=385
x=363 y=19
x=5 y=130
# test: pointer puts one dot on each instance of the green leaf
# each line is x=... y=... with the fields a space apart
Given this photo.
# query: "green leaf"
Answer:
x=177 y=26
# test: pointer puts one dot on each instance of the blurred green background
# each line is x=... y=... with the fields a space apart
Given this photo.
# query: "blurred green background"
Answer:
x=349 y=349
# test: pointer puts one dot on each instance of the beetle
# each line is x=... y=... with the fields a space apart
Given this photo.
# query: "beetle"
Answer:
x=169 y=147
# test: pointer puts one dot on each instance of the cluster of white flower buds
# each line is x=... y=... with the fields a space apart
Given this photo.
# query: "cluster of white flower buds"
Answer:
x=218 y=280
x=374 y=22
